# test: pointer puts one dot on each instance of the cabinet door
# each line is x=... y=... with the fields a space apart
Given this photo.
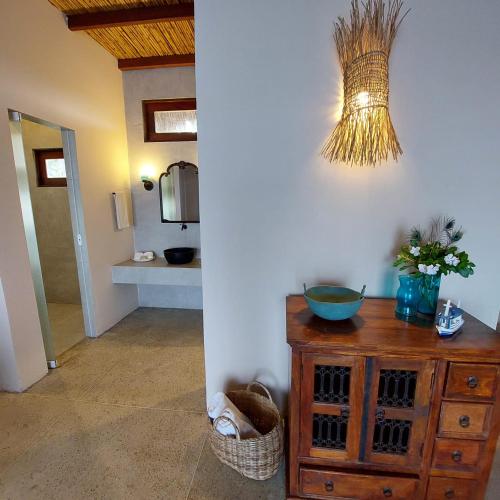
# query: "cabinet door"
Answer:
x=331 y=406
x=398 y=409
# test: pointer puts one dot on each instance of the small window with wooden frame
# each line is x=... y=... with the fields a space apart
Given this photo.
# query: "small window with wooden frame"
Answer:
x=169 y=120
x=50 y=167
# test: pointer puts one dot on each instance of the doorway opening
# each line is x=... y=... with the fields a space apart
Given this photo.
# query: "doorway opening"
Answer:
x=49 y=190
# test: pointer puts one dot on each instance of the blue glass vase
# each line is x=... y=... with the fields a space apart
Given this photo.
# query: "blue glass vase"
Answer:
x=429 y=294
x=408 y=296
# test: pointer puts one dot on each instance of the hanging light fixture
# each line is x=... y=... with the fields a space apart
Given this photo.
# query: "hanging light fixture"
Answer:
x=365 y=134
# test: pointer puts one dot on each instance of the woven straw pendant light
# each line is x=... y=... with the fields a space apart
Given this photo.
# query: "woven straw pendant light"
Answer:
x=365 y=135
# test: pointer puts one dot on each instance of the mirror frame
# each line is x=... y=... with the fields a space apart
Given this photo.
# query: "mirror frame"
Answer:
x=181 y=165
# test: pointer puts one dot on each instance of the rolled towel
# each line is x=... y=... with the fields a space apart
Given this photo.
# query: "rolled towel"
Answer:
x=220 y=405
x=144 y=256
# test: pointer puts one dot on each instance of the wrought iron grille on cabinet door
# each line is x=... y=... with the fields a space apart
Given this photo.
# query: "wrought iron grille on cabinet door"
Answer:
x=397 y=410
x=332 y=402
x=366 y=409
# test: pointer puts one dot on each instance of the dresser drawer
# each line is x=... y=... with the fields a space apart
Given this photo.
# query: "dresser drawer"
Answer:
x=441 y=488
x=466 y=381
x=465 y=420
x=326 y=484
x=456 y=454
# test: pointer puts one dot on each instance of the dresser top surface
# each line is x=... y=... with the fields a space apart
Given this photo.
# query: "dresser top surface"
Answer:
x=376 y=328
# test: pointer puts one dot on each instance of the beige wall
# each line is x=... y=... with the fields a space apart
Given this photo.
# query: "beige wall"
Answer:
x=52 y=216
x=67 y=79
x=275 y=214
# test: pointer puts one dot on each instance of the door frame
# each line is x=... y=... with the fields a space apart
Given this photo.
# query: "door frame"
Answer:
x=77 y=225
x=79 y=234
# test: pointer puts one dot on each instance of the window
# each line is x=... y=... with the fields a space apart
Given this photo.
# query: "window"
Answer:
x=50 y=167
x=169 y=120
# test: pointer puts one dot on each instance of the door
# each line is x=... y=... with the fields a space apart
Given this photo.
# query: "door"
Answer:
x=45 y=158
x=400 y=391
x=331 y=406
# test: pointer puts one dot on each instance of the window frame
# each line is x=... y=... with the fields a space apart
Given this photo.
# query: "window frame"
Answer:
x=41 y=155
x=148 y=111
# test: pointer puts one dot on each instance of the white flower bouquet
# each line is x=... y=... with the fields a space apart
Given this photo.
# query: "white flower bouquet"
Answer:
x=435 y=253
x=428 y=256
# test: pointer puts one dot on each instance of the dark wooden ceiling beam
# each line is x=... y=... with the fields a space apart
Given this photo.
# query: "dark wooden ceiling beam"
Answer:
x=126 y=17
x=156 y=62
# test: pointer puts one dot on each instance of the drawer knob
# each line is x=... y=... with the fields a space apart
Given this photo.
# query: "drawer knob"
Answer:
x=329 y=485
x=449 y=493
x=387 y=492
x=464 y=421
x=472 y=382
x=457 y=456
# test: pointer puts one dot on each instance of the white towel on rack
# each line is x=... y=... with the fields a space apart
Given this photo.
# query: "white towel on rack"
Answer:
x=123 y=209
x=220 y=405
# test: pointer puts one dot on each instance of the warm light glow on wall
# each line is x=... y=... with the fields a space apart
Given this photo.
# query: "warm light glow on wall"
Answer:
x=339 y=99
x=147 y=171
x=365 y=134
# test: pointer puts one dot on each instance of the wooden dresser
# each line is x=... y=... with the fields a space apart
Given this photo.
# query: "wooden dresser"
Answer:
x=383 y=409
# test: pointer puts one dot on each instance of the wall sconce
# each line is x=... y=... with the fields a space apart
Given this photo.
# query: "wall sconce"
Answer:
x=148 y=184
x=365 y=134
x=147 y=172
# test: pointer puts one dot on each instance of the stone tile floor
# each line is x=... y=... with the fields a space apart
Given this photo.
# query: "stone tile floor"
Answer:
x=124 y=417
x=66 y=324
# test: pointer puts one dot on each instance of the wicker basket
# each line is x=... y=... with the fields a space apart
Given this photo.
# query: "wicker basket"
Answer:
x=257 y=458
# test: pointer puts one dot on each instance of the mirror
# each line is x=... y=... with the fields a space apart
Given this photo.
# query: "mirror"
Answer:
x=179 y=193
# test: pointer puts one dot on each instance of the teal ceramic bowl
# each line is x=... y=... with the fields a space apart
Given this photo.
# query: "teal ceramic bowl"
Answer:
x=334 y=302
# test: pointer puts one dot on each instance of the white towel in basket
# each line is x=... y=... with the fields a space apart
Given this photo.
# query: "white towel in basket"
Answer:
x=220 y=405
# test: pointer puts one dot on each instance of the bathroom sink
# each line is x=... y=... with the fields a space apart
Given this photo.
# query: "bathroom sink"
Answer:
x=179 y=255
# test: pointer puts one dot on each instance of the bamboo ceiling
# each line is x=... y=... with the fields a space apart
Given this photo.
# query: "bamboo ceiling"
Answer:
x=140 y=40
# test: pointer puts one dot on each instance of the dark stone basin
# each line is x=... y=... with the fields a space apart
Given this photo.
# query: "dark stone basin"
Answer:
x=179 y=255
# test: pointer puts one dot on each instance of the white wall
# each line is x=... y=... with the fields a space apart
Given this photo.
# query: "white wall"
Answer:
x=275 y=214
x=65 y=78
x=9 y=375
x=149 y=232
